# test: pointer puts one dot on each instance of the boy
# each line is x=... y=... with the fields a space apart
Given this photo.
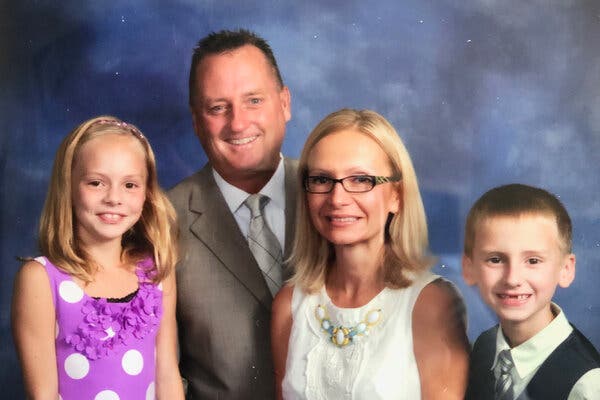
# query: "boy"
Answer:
x=517 y=250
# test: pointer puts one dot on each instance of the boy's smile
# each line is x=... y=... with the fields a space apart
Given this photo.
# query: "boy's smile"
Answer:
x=517 y=262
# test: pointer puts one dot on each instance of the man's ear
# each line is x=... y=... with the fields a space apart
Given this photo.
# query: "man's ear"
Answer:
x=286 y=103
x=567 y=271
x=468 y=272
x=196 y=123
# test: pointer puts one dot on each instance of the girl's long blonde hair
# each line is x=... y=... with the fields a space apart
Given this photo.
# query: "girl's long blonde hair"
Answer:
x=154 y=234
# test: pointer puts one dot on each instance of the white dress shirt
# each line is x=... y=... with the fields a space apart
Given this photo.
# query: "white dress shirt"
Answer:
x=274 y=212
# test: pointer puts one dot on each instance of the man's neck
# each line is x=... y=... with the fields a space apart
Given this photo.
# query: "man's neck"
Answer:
x=251 y=183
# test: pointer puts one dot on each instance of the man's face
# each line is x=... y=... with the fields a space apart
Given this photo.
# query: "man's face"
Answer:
x=239 y=113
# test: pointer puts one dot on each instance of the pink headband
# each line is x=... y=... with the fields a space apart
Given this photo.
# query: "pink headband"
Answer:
x=123 y=125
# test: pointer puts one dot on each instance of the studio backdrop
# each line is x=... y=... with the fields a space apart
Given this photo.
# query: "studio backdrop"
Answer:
x=483 y=93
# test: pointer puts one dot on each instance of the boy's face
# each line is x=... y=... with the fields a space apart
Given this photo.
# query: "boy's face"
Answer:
x=517 y=262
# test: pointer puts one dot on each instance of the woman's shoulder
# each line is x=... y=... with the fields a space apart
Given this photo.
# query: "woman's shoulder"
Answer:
x=440 y=300
x=289 y=300
x=440 y=291
x=283 y=299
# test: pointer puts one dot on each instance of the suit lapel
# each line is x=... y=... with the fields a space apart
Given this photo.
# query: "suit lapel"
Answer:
x=216 y=227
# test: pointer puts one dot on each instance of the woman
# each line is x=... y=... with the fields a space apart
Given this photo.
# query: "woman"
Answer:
x=362 y=317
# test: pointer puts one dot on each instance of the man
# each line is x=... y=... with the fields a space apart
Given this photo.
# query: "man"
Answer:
x=239 y=108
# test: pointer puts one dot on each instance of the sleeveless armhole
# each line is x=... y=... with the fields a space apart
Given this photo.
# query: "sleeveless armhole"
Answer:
x=418 y=285
x=458 y=299
x=51 y=271
x=297 y=296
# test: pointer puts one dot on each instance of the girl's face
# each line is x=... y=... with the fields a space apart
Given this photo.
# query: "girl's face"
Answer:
x=109 y=188
x=345 y=218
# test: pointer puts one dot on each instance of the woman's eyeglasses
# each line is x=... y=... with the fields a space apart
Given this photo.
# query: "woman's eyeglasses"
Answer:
x=320 y=184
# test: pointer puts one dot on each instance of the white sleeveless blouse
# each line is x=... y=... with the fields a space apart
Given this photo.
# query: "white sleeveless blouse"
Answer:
x=378 y=365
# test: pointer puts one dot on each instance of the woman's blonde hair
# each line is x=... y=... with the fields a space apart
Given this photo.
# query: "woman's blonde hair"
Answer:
x=155 y=233
x=406 y=246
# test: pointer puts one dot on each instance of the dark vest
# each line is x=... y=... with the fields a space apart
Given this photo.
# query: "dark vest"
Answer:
x=553 y=380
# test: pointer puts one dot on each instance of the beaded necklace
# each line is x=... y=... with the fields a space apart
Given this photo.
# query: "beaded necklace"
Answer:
x=342 y=336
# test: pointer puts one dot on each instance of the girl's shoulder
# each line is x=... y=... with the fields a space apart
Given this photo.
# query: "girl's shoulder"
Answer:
x=33 y=271
x=32 y=284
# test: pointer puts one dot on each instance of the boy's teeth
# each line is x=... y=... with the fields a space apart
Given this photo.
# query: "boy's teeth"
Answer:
x=518 y=297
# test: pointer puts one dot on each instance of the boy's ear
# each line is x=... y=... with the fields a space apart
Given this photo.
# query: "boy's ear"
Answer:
x=567 y=271
x=467 y=270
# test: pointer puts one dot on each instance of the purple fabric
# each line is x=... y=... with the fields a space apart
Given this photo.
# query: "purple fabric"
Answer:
x=105 y=351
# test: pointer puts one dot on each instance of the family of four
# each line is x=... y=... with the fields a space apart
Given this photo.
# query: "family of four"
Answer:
x=262 y=277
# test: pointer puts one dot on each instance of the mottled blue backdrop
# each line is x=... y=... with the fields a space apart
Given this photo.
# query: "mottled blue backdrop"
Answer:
x=483 y=92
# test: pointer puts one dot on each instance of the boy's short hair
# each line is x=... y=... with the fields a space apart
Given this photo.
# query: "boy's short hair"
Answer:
x=515 y=200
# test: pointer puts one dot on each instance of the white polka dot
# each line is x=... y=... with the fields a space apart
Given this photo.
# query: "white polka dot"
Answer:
x=70 y=292
x=107 y=395
x=151 y=392
x=77 y=366
x=132 y=362
x=60 y=397
x=56 y=329
x=159 y=286
x=41 y=260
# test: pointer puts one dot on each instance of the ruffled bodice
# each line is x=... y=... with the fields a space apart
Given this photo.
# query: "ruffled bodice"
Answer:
x=106 y=327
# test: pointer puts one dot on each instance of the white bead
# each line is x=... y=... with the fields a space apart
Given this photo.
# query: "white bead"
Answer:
x=339 y=337
x=325 y=324
x=373 y=316
x=320 y=312
x=360 y=328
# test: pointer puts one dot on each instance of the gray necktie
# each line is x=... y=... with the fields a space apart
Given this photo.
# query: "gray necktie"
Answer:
x=504 y=383
x=263 y=243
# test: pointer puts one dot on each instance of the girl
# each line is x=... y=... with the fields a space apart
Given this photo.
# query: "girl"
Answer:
x=95 y=317
x=363 y=317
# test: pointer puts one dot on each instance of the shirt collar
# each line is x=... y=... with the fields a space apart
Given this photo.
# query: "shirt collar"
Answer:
x=274 y=189
x=530 y=354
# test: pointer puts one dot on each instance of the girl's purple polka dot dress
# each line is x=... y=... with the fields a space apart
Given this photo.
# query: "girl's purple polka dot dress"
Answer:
x=105 y=350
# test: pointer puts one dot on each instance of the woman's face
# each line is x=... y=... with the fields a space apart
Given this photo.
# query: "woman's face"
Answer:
x=351 y=219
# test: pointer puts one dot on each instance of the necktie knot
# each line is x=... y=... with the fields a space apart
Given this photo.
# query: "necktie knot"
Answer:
x=505 y=361
x=256 y=203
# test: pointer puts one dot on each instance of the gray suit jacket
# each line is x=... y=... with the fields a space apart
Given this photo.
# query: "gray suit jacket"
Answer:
x=223 y=302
